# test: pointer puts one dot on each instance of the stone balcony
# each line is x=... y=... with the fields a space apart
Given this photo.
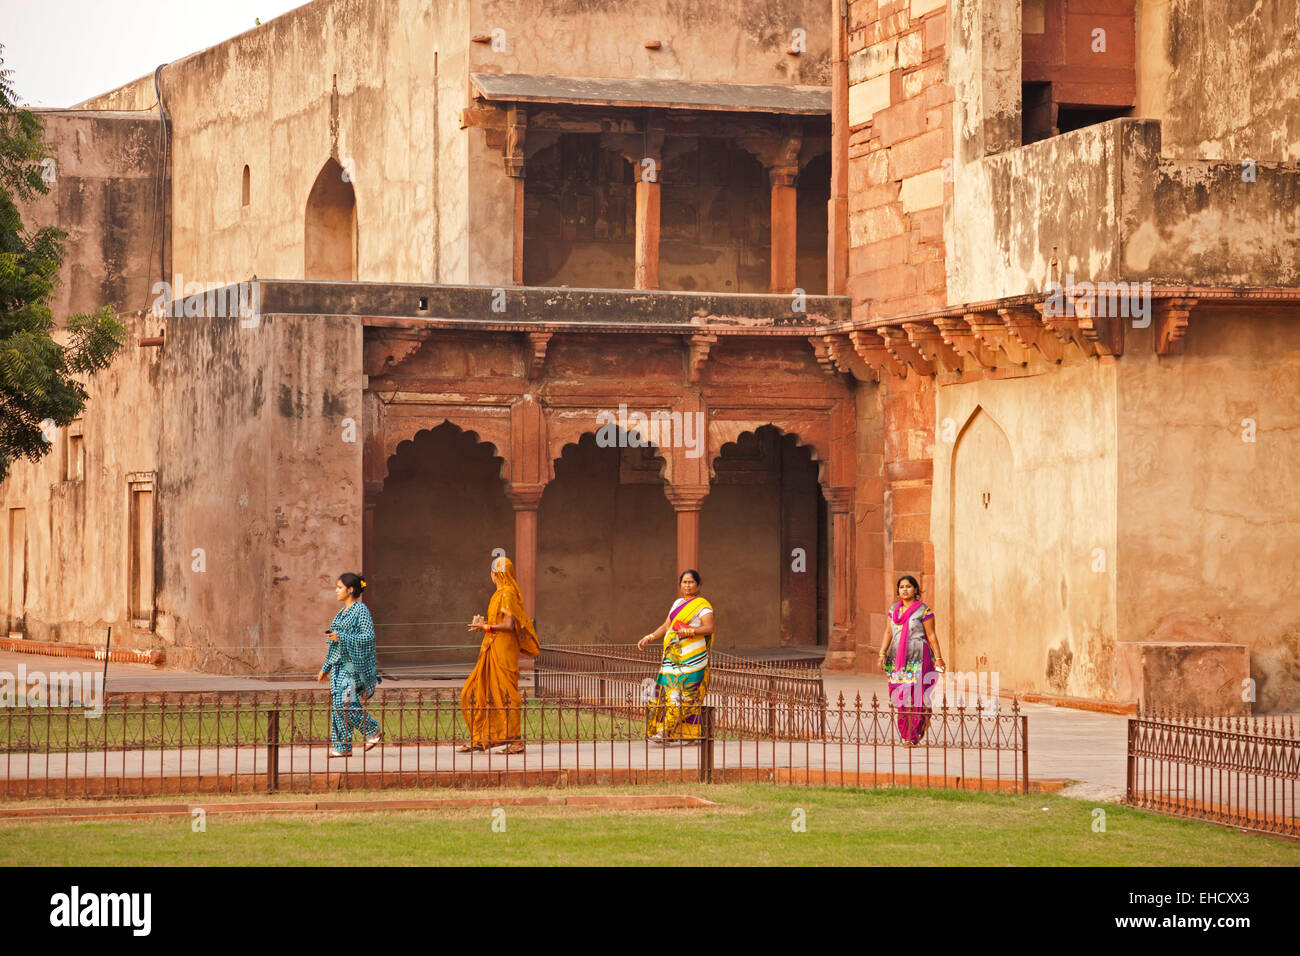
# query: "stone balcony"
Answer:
x=1105 y=205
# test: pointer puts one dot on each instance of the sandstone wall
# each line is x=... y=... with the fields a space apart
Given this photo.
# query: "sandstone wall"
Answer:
x=262 y=474
x=1210 y=544
x=1026 y=577
x=77 y=536
x=266 y=99
x=1222 y=78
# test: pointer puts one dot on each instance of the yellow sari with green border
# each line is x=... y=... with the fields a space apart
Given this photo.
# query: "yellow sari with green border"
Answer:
x=683 y=681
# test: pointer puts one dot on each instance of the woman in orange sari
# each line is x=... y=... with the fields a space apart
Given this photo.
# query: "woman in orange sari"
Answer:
x=490 y=700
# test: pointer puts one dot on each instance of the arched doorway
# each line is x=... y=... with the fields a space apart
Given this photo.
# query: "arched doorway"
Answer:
x=984 y=552
x=442 y=512
x=607 y=542
x=763 y=543
x=330 y=240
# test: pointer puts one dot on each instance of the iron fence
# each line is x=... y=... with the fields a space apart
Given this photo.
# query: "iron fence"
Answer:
x=173 y=743
x=776 y=699
x=1240 y=771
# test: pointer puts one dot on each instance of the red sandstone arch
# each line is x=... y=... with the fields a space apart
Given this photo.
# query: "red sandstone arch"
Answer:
x=813 y=435
x=395 y=447
x=565 y=430
x=487 y=426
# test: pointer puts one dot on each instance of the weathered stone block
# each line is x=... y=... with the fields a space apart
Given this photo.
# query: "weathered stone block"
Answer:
x=1184 y=677
x=923 y=191
x=866 y=99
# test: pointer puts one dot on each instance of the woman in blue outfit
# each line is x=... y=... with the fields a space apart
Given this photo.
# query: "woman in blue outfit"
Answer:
x=351 y=668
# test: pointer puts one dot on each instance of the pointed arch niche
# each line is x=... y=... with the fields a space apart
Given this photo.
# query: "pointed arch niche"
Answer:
x=330 y=232
x=985 y=546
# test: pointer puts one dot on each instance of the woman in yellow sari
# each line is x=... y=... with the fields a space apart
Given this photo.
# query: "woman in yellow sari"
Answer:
x=674 y=711
x=490 y=700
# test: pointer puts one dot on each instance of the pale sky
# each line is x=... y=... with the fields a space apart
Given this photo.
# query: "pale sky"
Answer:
x=64 y=51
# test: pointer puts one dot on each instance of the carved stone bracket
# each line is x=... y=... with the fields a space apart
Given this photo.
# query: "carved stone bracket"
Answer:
x=384 y=351
x=870 y=347
x=1105 y=333
x=516 y=134
x=901 y=347
x=1171 y=317
x=1027 y=328
x=1065 y=328
x=539 y=341
x=989 y=328
x=929 y=343
x=779 y=154
x=824 y=350
x=698 y=346
x=965 y=343
x=846 y=358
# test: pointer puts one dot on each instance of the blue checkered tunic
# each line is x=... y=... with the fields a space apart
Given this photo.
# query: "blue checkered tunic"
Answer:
x=351 y=663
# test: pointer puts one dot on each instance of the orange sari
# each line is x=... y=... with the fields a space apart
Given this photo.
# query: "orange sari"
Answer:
x=490 y=701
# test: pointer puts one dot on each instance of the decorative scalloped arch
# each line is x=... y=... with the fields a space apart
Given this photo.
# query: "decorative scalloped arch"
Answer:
x=807 y=434
x=393 y=443
x=565 y=432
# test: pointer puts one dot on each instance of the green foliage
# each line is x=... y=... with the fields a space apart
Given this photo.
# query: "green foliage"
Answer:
x=38 y=373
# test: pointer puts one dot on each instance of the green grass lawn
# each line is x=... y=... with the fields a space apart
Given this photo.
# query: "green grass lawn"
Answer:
x=752 y=827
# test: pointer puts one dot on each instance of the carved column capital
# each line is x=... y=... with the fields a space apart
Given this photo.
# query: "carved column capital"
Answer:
x=525 y=497
x=686 y=497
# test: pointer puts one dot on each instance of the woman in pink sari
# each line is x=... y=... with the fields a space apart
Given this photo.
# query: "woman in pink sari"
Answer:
x=910 y=658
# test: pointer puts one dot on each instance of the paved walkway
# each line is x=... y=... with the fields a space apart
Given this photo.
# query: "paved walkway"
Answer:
x=1064 y=743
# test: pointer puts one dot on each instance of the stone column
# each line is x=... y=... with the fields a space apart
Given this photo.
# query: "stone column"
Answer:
x=687 y=500
x=785 y=254
x=516 y=134
x=843 y=645
x=525 y=499
x=647 y=167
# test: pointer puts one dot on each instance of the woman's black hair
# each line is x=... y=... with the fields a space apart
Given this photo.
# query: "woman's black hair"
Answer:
x=907 y=577
x=693 y=573
x=354 y=583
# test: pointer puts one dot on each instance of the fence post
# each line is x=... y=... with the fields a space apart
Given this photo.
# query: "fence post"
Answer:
x=1130 y=764
x=1024 y=753
x=272 y=751
x=706 y=743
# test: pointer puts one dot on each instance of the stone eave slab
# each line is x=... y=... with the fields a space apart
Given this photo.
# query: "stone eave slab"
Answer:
x=664 y=94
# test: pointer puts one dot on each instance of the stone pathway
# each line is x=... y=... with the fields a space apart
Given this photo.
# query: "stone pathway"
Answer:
x=1064 y=744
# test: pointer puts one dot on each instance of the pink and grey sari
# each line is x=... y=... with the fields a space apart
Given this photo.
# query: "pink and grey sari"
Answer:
x=910 y=669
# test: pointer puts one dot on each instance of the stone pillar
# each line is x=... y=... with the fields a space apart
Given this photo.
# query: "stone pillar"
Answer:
x=525 y=499
x=529 y=471
x=785 y=198
x=647 y=235
x=516 y=134
x=687 y=500
x=647 y=167
x=841 y=652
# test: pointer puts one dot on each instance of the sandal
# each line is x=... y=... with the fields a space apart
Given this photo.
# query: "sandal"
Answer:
x=470 y=748
x=339 y=753
x=374 y=740
x=511 y=749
